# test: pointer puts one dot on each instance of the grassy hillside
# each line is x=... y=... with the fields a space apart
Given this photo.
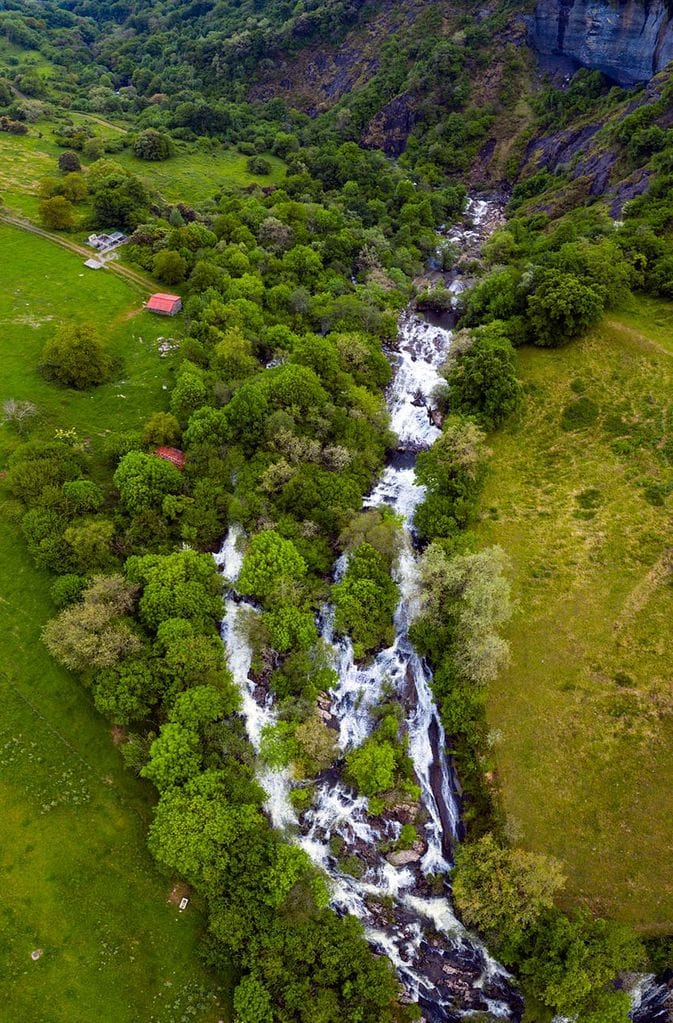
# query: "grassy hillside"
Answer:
x=76 y=878
x=583 y=717
x=192 y=175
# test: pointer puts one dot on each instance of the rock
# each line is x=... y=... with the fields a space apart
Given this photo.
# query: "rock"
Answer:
x=391 y=127
x=630 y=42
x=403 y=857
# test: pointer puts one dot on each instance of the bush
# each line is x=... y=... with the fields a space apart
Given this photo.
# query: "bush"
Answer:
x=258 y=165
x=365 y=600
x=68 y=162
x=152 y=145
x=76 y=357
x=67 y=589
x=579 y=414
x=371 y=767
x=57 y=214
x=482 y=381
x=561 y=308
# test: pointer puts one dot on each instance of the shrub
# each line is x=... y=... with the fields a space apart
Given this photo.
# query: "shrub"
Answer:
x=57 y=214
x=76 y=357
x=371 y=767
x=579 y=414
x=561 y=308
x=152 y=145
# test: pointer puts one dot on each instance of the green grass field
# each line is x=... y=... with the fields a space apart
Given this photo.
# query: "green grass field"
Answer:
x=192 y=175
x=76 y=879
x=578 y=496
x=43 y=286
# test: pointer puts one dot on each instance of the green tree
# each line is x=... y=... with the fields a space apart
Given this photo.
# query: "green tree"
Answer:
x=561 y=308
x=76 y=357
x=271 y=568
x=144 y=480
x=503 y=892
x=68 y=162
x=161 y=428
x=482 y=381
x=169 y=266
x=570 y=965
x=175 y=757
x=57 y=214
x=317 y=746
x=183 y=584
x=152 y=145
x=365 y=600
x=94 y=633
x=252 y=1002
x=91 y=544
x=371 y=767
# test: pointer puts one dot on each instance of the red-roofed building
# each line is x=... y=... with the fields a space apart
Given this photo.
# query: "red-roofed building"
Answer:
x=174 y=455
x=165 y=305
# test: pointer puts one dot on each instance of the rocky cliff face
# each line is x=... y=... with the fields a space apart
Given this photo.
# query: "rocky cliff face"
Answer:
x=629 y=41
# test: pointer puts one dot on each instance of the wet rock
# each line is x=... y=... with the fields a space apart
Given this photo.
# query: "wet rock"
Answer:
x=403 y=857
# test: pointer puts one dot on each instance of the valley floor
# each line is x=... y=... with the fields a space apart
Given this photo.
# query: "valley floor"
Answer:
x=582 y=720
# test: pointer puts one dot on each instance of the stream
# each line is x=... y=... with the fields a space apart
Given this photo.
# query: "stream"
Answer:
x=441 y=965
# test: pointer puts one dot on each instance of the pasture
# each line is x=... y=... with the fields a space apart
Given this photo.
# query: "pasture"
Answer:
x=579 y=496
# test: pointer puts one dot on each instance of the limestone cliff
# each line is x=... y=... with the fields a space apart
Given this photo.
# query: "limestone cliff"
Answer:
x=628 y=41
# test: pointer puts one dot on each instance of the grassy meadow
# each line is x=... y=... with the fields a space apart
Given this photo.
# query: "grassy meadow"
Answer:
x=582 y=720
x=192 y=175
x=77 y=880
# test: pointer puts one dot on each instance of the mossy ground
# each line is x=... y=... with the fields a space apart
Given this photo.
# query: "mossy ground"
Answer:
x=578 y=496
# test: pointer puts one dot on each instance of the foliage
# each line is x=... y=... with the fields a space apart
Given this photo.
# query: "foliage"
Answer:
x=365 y=600
x=570 y=964
x=561 y=308
x=482 y=382
x=503 y=892
x=57 y=213
x=453 y=472
x=144 y=480
x=272 y=568
x=76 y=357
x=152 y=145
x=371 y=767
x=95 y=632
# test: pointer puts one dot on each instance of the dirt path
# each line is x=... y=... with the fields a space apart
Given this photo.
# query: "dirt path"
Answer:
x=637 y=336
x=122 y=271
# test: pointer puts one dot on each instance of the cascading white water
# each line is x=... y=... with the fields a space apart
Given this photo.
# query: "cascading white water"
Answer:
x=440 y=964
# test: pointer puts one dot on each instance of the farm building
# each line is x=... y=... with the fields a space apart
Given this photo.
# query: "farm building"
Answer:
x=105 y=242
x=165 y=305
x=174 y=455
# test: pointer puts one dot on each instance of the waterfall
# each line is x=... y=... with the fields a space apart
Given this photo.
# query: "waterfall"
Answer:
x=439 y=963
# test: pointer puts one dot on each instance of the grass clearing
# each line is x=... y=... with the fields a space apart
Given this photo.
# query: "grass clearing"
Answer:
x=43 y=286
x=579 y=497
x=192 y=175
x=77 y=880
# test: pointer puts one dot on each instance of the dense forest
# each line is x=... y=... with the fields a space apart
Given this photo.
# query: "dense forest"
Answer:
x=292 y=293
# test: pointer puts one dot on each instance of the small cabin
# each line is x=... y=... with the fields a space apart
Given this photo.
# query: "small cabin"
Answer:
x=174 y=455
x=164 y=305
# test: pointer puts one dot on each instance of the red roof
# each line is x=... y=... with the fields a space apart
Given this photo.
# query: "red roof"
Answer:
x=161 y=303
x=174 y=455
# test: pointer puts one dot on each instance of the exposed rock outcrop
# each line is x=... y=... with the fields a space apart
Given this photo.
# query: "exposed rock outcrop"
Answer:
x=628 y=41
